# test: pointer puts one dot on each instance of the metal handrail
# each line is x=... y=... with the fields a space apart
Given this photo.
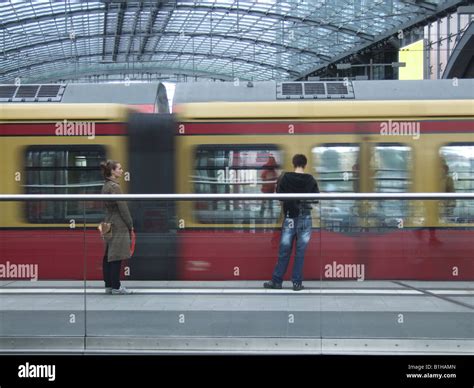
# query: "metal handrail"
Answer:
x=204 y=197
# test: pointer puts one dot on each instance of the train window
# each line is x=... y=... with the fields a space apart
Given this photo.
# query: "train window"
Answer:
x=245 y=169
x=337 y=171
x=63 y=170
x=457 y=163
x=390 y=165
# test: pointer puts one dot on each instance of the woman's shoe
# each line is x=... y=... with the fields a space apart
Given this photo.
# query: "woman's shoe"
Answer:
x=121 y=291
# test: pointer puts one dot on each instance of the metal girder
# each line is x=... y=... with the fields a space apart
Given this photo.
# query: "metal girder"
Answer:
x=59 y=14
x=276 y=16
x=178 y=53
x=134 y=29
x=270 y=15
x=162 y=32
x=421 y=4
x=106 y=14
x=199 y=34
x=151 y=2
x=118 y=30
x=149 y=29
x=105 y=70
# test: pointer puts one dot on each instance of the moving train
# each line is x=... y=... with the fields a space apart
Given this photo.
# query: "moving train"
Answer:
x=359 y=136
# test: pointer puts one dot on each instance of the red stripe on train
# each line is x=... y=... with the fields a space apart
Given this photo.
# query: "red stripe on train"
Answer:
x=248 y=128
x=428 y=254
x=49 y=129
x=295 y=127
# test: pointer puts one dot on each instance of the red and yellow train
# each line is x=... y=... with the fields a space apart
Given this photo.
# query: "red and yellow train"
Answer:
x=353 y=145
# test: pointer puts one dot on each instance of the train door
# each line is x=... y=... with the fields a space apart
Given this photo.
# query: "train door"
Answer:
x=339 y=168
x=388 y=169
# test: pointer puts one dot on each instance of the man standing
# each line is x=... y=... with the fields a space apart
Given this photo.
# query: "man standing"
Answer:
x=296 y=224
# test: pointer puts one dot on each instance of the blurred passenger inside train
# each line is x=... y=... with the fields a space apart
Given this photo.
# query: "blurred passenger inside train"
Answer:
x=297 y=224
x=118 y=240
x=269 y=177
x=447 y=184
x=355 y=177
x=446 y=207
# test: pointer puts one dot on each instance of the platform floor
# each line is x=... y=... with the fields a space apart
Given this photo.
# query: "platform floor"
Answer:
x=371 y=316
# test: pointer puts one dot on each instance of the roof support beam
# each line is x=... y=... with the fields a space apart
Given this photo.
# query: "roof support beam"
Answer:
x=149 y=30
x=273 y=15
x=422 y=4
x=211 y=8
x=162 y=32
x=167 y=52
x=134 y=29
x=106 y=17
x=118 y=30
x=77 y=38
x=122 y=69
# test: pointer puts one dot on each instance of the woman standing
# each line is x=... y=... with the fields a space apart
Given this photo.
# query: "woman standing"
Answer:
x=118 y=245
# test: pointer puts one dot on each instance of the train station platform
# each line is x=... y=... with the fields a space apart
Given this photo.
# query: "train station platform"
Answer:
x=339 y=317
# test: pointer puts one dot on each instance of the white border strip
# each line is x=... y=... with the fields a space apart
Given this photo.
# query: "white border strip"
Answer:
x=236 y=291
x=202 y=197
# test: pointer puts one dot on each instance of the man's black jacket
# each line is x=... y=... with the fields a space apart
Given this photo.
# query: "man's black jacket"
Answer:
x=294 y=182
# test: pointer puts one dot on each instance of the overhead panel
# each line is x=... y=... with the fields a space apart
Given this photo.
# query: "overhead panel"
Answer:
x=31 y=93
x=314 y=90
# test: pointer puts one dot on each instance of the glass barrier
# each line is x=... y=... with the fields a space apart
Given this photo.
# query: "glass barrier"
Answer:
x=394 y=275
x=201 y=284
x=378 y=276
x=42 y=272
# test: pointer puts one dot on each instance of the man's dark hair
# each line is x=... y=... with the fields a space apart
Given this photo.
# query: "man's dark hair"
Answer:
x=299 y=160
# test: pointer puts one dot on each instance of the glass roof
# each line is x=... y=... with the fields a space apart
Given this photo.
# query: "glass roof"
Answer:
x=46 y=41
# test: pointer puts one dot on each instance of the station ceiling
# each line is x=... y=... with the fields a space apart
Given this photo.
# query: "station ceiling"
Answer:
x=47 y=41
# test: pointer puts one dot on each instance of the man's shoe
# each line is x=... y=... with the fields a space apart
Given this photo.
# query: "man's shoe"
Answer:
x=272 y=284
x=121 y=291
x=108 y=290
x=298 y=287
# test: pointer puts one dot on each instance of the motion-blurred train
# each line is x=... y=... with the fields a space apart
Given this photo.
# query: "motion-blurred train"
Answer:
x=359 y=136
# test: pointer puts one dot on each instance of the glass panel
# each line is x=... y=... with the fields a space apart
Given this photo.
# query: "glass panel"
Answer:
x=63 y=170
x=337 y=171
x=236 y=169
x=201 y=288
x=41 y=280
x=457 y=175
x=384 y=286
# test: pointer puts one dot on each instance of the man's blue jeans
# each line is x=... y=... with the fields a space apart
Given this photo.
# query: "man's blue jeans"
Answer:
x=298 y=228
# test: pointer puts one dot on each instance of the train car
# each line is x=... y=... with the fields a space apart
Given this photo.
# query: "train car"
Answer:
x=359 y=137
x=57 y=149
x=387 y=136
